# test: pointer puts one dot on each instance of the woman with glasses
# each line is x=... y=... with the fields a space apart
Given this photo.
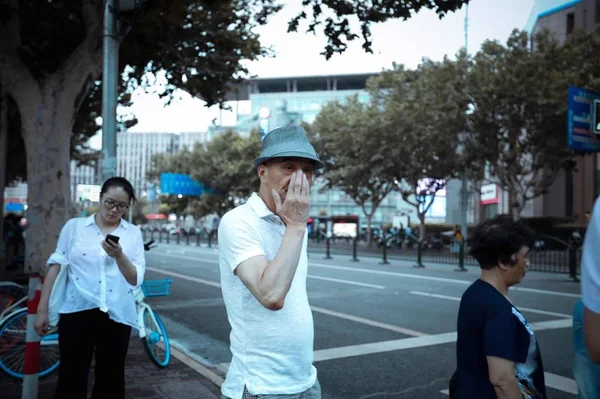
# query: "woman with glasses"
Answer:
x=98 y=311
x=497 y=352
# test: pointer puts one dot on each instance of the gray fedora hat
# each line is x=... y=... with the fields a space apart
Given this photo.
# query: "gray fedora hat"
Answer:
x=288 y=142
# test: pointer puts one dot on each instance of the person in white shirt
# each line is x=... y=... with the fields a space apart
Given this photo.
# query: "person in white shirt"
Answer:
x=263 y=264
x=98 y=311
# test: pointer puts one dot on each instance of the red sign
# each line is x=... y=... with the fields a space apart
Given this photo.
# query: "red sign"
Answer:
x=490 y=194
x=158 y=216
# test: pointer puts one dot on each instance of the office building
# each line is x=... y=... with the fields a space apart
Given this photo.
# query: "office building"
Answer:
x=134 y=159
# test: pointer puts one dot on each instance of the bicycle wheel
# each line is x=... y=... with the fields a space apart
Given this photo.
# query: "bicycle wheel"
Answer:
x=12 y=348
x=156 y=341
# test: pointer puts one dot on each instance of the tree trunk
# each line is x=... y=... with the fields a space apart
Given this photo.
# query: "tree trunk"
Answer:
x=421 y=226
x=3 y=145
x=369 y=231
x=515 y=205
x=47 y=133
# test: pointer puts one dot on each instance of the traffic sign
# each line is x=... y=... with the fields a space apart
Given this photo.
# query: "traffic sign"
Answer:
x=581 y=120
x=181 y=184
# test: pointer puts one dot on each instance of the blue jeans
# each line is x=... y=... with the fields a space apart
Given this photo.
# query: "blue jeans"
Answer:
x=587 y=373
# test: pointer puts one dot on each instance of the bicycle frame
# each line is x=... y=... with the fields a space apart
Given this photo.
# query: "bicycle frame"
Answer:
x=12 y=310
x=141 y=306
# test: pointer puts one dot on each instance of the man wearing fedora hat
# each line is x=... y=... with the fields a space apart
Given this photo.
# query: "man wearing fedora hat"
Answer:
x=263 y=264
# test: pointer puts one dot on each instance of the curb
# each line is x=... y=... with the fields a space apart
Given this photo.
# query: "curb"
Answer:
x=186 y=358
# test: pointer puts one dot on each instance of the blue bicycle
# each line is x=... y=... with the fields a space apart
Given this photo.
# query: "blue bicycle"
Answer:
x=13 y=329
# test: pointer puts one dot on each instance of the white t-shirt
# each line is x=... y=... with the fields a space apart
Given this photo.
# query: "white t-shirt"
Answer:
x=590 y=263
x=94 y=278
x=272 y=350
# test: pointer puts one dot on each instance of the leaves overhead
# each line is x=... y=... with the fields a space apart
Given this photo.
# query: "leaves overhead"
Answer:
x=199 y=44
x=335 y=18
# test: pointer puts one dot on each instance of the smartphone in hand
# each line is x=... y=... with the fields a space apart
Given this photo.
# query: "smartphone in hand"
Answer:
x=112 y=238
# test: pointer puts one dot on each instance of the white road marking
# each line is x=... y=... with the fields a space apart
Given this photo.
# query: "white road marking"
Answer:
x=340 y=315
x=369 y=322
x=555 y=381
x=184 y=277
x=457 y=299
x=416 y=342
x=560 y=383
x=380 y=287
x=383 y=346
x=396 y=274
x=441 y=279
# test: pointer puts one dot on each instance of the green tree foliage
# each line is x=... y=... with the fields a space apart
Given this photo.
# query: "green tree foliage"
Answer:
x=518 y=122
x=225 y=166
x=357 y=151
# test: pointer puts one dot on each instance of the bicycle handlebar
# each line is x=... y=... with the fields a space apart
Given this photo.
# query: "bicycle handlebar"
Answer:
x=148 y=246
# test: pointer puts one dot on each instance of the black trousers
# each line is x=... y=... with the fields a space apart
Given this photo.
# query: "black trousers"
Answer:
x=79 y=336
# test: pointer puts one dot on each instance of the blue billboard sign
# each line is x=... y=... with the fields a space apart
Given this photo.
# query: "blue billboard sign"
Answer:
x=580 y=120
x=14 y=207
x=176 y=183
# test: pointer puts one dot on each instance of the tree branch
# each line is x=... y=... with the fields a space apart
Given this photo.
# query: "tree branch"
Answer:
x=87 y=57
x=14 y=74
x=18 y=81
x=11 y=34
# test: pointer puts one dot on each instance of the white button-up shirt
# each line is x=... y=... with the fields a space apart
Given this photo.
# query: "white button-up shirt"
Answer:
x=272 y=351
x=94 y=278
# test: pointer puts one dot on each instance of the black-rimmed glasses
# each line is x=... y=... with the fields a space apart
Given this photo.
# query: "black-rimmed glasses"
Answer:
x=110 y=205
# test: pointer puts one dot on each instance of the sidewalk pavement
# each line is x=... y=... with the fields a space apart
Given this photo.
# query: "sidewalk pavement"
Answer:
x=180 y=380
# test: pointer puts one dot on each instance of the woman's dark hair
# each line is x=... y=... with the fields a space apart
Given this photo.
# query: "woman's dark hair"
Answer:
x=497 y=240
x=118 y=182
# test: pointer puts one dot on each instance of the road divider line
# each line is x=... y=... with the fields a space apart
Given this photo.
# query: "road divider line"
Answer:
x=184 y=277
x=336 y=280
x=560 y=383
x=554 y=381
x=340 y=315
x=457 y=299
x=369 y=322
x=415 y=342
x=199 y=280
x=433 y=278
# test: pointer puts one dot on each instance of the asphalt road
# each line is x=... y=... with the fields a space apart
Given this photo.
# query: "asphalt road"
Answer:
x=381 y=331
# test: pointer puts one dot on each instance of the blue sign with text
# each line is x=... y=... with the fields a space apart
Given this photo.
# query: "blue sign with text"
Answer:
x=14 y=207
x=580 y=120
x=176 y=183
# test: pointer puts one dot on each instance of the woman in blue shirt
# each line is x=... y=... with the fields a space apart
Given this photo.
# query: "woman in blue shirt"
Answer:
x=497 y=352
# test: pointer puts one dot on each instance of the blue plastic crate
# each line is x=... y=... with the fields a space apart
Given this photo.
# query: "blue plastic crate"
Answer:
x=156 y=287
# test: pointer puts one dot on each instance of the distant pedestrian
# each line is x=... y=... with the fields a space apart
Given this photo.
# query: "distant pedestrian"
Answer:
x=98 y=310
x=498 y=355
x=586 y=316
x=263 y=263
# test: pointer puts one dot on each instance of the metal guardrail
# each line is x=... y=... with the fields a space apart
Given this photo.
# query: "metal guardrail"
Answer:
x=560 y=257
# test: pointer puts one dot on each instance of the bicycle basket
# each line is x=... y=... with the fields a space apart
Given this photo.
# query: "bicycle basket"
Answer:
x=156 y=287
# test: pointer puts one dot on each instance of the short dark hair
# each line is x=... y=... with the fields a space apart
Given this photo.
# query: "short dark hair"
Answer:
x=119 y=182
x=496 y=241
